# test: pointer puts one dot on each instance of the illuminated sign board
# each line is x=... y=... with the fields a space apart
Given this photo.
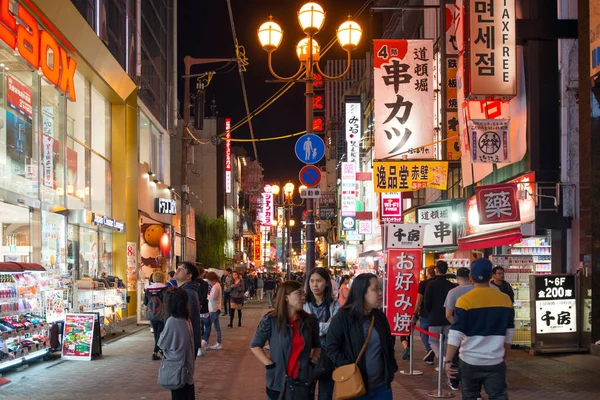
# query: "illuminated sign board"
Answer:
x=227 y=155
x=37 y=47
x=165 y=206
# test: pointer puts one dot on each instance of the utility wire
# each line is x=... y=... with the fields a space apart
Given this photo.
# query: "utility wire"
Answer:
x=241 y=73
x=288 y=85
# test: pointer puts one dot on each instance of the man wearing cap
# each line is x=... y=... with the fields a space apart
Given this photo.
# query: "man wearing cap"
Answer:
x=483 y=328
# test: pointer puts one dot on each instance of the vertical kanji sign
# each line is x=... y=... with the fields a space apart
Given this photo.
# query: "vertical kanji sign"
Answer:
x=498 y=203
x=403 y=75
x=402 y=287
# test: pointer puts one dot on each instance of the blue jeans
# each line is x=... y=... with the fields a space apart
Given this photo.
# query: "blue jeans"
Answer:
x=208 y=322
x=379 y=393
x=425 y=338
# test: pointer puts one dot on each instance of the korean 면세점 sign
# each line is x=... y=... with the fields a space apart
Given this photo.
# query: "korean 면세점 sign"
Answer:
x=404 y=236
x=402 y=286
x=403 y=94
x=490 y=140
x=405 y=176
x=491 y=50
x=439 y=230
x=498 y=203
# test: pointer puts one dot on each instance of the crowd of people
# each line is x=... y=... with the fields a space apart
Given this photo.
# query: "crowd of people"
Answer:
x=322 y=329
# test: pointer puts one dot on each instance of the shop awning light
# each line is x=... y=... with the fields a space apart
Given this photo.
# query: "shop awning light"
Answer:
x=150 y=173
x=156 y=181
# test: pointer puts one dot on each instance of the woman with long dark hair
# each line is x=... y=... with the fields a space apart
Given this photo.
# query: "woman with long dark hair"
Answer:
x=237 y=299
x=293 y=336
x=177 y=341
x=348 y=331
x=321 y=304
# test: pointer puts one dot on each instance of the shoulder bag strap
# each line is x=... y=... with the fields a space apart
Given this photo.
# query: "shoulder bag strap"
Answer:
x=362 y=351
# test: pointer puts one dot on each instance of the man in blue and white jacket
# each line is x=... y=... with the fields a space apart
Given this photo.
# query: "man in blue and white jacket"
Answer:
x=483 y=328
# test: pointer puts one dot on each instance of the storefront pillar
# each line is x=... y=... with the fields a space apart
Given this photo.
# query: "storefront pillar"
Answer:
x=124 y=181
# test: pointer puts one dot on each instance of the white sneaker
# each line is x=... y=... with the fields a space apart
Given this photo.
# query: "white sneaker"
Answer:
x=268 y=347
x=201 y=352
x=216 y=347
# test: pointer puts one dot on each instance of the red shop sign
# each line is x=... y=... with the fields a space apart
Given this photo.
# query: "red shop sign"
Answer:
x=497 y=203
x=35 y=46
x=402 y=288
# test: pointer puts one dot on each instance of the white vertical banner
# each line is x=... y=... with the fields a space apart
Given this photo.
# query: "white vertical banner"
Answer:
x=353 y=122
x=404 y=101
x=48 y=145
x=349 y=192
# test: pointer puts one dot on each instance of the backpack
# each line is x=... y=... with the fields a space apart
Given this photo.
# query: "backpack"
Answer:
x=155 y=309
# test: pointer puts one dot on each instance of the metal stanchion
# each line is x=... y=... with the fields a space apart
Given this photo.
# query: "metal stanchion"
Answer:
x=440 y=394
x=410 y=362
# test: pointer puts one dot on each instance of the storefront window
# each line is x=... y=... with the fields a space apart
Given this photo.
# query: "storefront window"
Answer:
x=88 y=252
x=18 y=141
x=15 y=229
x=78 y=115
x=100 y=188
x=54 y=254
x=105 y=254
x=101 y=124
x=77 y=185
x=52 y=163
x=156 y=151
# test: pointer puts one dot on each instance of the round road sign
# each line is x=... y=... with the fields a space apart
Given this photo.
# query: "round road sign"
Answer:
x=310 y=176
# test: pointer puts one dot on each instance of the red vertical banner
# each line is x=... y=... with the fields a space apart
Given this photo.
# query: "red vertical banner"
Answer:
x=402 y=288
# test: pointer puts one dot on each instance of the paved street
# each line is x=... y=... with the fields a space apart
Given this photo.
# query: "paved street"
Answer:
x=125 y=371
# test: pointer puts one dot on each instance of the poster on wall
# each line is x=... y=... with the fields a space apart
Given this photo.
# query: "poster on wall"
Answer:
x=131 y=265
x=78 y=336
x=18 y=97
x=151 y=259
x=403 y=93
x=403 y=274
x=18 y=144
x=490 y=140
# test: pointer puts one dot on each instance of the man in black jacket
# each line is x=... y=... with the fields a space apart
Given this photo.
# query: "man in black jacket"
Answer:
x=435 y=296
x=500 y=283
x=186 y=275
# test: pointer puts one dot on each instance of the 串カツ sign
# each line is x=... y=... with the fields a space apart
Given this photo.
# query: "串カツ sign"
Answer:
x=36 y=46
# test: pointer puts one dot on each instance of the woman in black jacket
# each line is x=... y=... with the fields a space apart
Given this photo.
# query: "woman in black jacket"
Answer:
x=348 y=331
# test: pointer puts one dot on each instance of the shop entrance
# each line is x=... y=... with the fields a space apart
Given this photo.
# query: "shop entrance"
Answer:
x=15 y=230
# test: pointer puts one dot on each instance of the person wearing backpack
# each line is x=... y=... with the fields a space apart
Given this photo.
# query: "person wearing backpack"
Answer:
x=154 y=297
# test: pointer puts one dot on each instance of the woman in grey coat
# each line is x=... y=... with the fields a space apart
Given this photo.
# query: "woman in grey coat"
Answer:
x=177 y=341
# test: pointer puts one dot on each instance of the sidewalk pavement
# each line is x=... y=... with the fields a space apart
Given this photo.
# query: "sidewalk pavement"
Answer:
x=125 y=371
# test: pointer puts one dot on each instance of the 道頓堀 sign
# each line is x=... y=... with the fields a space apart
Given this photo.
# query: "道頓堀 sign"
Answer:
x=403 y=92
x=439 y=230
x=497 y=203
x=402 y=287
x=404 y=236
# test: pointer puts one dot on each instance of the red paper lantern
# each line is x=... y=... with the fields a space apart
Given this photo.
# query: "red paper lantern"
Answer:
x=165 y=245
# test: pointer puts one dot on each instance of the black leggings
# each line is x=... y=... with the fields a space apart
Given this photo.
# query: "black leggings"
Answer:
x=185 y=393
x=157 y=327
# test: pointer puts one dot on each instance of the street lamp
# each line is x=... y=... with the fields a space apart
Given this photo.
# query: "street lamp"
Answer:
x=311 y=18
x=287 y=203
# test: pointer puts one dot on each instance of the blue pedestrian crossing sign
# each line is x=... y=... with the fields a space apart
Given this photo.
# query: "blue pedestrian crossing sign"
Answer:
x=310 y=148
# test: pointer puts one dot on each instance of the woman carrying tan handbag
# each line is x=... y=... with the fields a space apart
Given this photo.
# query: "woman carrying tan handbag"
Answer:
x=359 y=343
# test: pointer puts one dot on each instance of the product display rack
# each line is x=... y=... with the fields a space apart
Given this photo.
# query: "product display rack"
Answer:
x=91 y=296
x=532 y=256
x=24 y=330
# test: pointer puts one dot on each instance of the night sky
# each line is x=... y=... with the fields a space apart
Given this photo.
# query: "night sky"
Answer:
x=204 y=31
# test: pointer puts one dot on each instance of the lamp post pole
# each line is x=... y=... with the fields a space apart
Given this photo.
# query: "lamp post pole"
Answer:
x=310 y=218
x=311 y=18
x=288 y=250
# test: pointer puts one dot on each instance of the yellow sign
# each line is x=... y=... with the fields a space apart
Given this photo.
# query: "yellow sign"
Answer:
x=406 y=176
